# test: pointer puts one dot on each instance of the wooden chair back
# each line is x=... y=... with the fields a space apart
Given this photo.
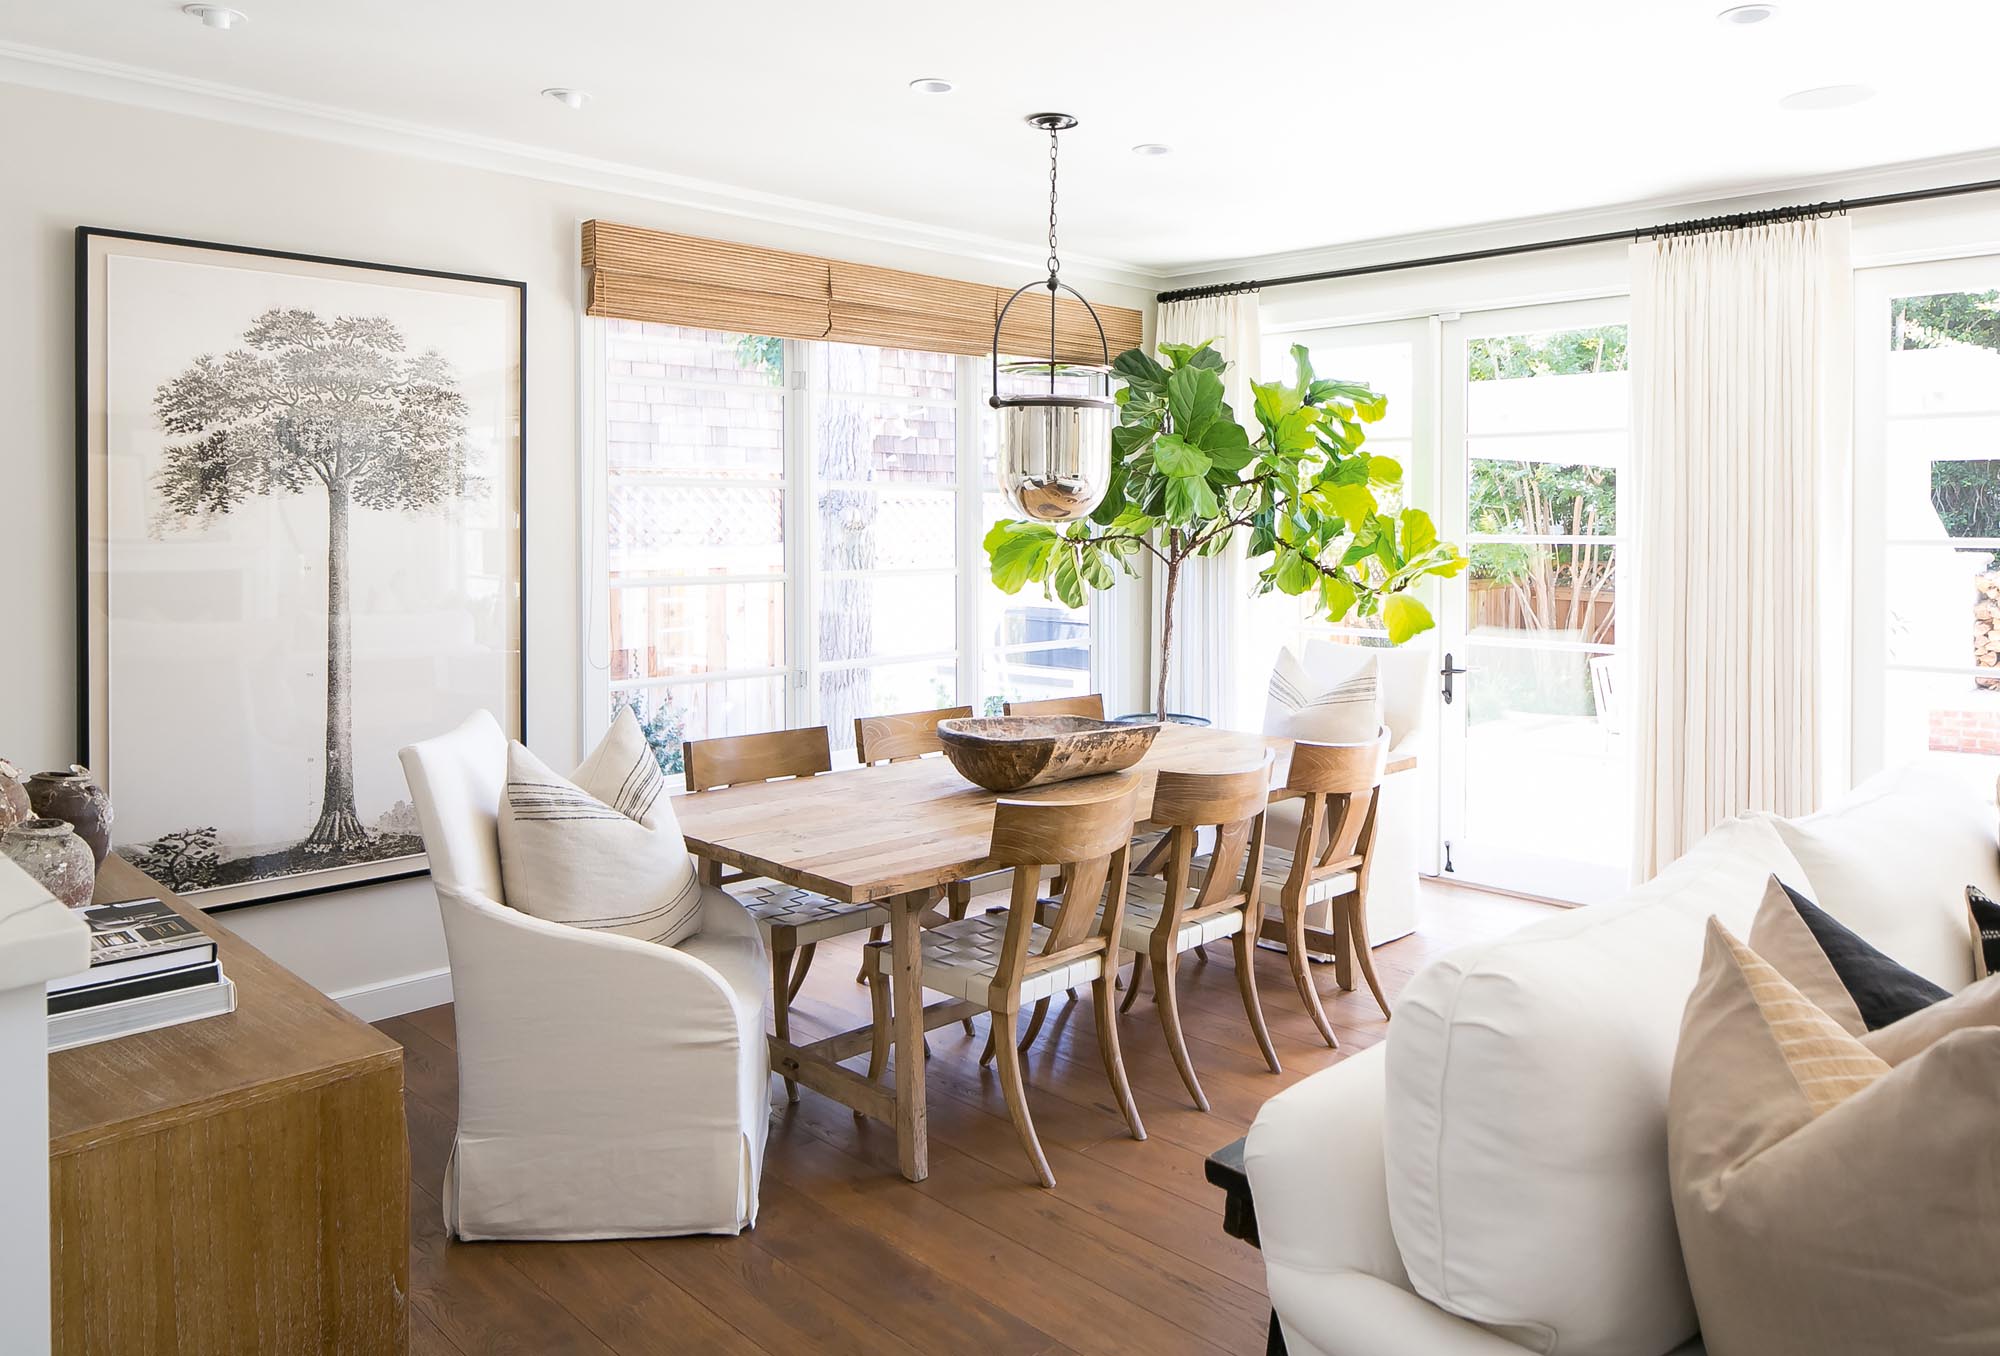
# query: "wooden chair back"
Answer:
x=1342 y=785
x=1091 y=705
x=1089 y=839
x=899 y=738
x=1232 y=805
x=731 y=760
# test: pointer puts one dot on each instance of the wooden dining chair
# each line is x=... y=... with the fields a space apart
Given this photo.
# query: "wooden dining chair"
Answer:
x=1341 y=785
x=1165 y=917
x=794 y=921
x=1091 y=705
x=1006 y=958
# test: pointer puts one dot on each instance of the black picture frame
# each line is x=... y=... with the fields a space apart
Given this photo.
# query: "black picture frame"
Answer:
x=84 y=316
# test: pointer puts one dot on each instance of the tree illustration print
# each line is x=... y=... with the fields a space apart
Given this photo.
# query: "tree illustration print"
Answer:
x=316 y=406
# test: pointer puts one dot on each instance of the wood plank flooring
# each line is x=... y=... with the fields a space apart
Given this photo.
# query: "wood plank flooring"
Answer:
x=1126 y=1254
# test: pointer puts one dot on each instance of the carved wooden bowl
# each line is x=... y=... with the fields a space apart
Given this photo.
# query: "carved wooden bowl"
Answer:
x=1009 y=753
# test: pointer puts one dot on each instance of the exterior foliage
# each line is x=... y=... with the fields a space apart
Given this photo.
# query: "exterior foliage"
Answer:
x=1187 y=477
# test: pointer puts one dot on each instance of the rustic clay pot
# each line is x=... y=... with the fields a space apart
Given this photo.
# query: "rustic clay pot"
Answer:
x=54 y=857
x=14 y=806
x=79 y=802
x=1007 y=753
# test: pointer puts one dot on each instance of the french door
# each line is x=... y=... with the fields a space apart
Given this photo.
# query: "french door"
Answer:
x=1532 y=747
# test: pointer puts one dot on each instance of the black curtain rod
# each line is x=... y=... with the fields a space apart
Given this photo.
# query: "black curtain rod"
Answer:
x=1725 y=223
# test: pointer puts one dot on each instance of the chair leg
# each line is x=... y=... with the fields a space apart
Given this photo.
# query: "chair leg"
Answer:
x=1167 y=1000
x=1246 y=982
x=1114 y=1059
x=1354 y=941
x=878 y=1002
x=804 y=964
x=781 y=1003
x=1017 y=1101
x=1034 y=1024
x=1295 y=949
x=1132 y=987
x=959 y=898
x=875 y=934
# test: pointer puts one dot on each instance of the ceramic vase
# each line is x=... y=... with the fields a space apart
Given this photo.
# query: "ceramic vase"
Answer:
x=54 y=857
x=78 y=801
x=14 y=806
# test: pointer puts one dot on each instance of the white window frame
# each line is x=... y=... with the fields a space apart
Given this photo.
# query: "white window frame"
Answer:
x=802 y=574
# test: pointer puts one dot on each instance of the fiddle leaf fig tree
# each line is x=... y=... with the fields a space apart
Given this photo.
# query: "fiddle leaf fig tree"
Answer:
x=1187 y=477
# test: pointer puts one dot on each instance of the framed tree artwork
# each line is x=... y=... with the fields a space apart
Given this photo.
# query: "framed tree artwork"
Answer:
x=300 y=547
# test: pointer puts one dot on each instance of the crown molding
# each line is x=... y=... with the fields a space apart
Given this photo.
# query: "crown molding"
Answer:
x=88 y=77
x=1627 y=216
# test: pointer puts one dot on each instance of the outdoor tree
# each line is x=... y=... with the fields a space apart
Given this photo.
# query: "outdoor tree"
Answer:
x=310 y=405
x=1186 y=478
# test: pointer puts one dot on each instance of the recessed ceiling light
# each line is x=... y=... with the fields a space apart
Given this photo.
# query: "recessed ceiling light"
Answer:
x=931 y=84
x=1748 y=14
x=568 y=98
x=1152 y=148
x=1825 y=97
x=215 y=16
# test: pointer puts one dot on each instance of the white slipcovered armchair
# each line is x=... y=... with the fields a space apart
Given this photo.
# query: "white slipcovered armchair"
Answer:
x=607 y=1087
x=1404 y=678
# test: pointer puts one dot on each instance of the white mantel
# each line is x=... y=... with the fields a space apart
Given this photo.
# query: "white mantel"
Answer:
x=40 y=940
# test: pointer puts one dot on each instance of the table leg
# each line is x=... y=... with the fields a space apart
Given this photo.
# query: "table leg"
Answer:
x=907 y=993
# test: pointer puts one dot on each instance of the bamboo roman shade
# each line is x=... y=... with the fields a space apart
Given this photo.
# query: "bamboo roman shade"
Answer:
x=638 y=274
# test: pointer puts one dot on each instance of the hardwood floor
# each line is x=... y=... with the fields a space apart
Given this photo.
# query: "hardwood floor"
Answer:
x=1126 y=1254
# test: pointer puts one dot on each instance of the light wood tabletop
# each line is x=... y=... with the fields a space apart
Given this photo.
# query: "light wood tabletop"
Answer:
x=898 y=834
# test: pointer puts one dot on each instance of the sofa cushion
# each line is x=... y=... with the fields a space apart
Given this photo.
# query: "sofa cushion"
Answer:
x=1892 y=861
x=1526 y=1112
x=1336 y=703
x=1828 y=1203
x=1833 y=966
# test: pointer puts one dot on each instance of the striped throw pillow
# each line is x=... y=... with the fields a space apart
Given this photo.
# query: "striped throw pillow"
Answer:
x=1343 y=708
x=600 y=849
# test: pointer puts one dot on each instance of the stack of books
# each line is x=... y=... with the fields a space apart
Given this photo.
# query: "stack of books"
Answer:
x=149 y=968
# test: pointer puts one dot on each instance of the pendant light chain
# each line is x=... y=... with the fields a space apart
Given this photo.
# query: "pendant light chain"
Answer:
x=1054 y=266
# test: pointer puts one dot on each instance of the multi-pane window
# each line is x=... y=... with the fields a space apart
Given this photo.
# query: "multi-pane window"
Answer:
x=792 y=537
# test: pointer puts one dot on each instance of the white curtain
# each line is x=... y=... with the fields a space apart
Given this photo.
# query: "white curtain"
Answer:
x=1204 y=677
x=1742 y=359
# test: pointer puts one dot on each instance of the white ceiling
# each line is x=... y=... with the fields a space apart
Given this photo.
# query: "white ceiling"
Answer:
x=1295 y=123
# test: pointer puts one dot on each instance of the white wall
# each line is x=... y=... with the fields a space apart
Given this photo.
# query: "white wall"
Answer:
x=67 y=161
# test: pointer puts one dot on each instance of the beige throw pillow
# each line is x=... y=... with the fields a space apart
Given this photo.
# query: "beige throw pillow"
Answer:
x=1827 y=1203
x=1342 y=705
x=601 y=850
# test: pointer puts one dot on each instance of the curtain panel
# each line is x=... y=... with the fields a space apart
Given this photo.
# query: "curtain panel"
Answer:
x=1209 y=673
x=1742 y=357
x=641 y=274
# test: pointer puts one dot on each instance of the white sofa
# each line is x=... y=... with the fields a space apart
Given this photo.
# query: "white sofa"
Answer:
x=607 y=1087
x=1404 y=676
x=1492 y=1178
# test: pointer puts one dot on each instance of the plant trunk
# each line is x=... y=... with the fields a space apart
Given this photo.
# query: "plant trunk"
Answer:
x=338 y=827
x=1167 y=635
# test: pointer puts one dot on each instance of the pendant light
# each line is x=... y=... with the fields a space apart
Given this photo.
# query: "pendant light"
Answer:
x=1055 y=450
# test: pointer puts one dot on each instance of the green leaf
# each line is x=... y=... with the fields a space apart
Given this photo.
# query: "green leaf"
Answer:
x=1404 y=617
x=1189 y=500
x=1295 y=573
x=1068 y=583
x=1139 y=370
x=1095 y=569
x=1353 y=503
x=1336 y=597
x=1302 y=363
x=1176 y=456
x=1274 y=402
x=1419 y=534
x=1294 y=432
x=1018 y=552
x=1206 y=355
x=1194 y=399
x=1385 y=471
x=1225 y=435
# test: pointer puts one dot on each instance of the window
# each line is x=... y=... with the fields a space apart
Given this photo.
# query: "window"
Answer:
x=791 y=536
x=1927 y=517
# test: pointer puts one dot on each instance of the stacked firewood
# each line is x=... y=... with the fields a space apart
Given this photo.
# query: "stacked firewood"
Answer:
x=1986 y=627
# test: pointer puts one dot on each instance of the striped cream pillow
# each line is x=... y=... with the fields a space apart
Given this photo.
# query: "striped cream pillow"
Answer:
x=600 y=849
x=1340 y=708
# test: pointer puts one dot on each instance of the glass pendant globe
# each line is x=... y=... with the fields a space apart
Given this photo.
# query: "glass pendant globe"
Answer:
x=1055 y=455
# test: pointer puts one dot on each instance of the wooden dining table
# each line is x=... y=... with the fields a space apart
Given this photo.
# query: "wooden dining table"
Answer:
x=896 y=835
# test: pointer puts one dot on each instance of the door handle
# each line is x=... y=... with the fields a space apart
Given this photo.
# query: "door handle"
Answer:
x=1449 y=672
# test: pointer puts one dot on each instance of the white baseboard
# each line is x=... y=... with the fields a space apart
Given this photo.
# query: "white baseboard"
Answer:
x=394 y=997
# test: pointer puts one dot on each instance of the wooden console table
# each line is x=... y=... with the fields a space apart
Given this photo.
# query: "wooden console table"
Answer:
x=233 y=1185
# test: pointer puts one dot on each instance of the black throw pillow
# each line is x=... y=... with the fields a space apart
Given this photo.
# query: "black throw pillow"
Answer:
x=1883 y=990
x=1985 y=931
